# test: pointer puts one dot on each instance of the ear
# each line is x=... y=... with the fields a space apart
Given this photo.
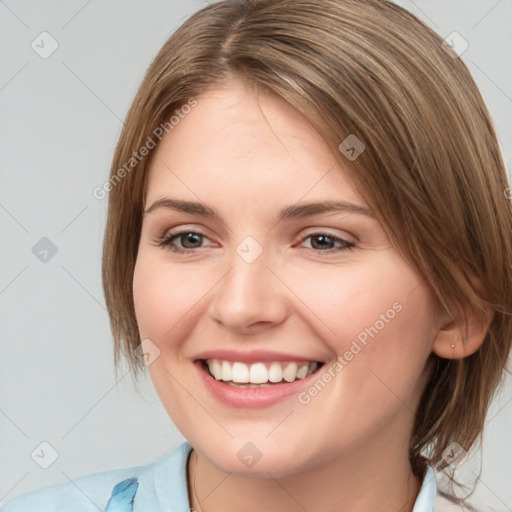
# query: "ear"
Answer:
x=457 y=339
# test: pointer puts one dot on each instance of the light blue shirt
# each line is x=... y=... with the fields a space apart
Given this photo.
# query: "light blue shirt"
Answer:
x=162 y=487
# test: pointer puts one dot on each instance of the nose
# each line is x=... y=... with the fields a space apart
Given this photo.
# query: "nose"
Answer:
x=250 y=297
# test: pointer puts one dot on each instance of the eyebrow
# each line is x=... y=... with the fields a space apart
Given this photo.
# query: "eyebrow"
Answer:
x=292 y=211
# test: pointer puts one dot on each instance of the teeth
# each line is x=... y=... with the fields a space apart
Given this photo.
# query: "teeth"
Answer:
x=240 y=373
x=226 y=372
x=302 y=372
x=259 y=373
x=247 y=385
x=275 y=373
x=290 y=372
x=215 y=369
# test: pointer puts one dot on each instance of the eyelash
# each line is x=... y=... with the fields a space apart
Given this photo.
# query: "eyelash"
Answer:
x=166 y=242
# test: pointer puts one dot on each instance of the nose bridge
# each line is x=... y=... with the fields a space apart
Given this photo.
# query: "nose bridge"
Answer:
x=249 y=292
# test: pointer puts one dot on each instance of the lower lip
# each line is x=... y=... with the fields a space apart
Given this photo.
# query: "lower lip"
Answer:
x=252 y=397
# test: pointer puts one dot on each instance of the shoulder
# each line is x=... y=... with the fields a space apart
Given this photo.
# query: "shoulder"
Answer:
x=434 y=497
x=91 y=492
x=88 y=492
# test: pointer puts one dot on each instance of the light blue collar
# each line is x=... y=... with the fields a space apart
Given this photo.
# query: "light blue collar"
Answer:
x=427 y=497
x=170 y=482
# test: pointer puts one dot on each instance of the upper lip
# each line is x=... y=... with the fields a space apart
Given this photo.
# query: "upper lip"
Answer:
x=252 y=356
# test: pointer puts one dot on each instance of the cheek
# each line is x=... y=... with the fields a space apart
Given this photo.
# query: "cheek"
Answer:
x=151 y=308
x=164 y=296
x=345 y=300
x=378 y=318
x=167 y=302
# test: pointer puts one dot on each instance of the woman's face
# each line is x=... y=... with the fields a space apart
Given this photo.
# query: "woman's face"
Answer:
x=266 y=279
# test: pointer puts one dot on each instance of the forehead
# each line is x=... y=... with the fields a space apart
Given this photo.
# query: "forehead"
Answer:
x=248 y=146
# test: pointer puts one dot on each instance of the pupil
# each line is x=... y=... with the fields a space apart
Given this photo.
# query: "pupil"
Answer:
x=321 y=237
x=189 y=237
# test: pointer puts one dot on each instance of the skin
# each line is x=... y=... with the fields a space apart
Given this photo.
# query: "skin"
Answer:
x=249 y=155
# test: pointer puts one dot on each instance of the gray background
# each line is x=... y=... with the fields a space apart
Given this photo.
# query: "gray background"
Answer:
x=61 y=117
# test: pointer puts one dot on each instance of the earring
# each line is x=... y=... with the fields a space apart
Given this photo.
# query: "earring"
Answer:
x=453 y=345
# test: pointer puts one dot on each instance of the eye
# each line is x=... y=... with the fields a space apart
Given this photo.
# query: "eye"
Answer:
x=189 y=240
x=324 y=242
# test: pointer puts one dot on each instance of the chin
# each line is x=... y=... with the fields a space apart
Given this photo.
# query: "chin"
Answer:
x=256 y=459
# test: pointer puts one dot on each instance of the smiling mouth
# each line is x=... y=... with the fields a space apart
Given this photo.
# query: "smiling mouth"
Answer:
x=259 y=374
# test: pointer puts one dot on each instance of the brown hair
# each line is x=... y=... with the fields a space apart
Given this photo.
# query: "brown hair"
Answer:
x=431 y=171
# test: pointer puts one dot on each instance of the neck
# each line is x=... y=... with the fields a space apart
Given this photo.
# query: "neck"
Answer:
x=369 y=479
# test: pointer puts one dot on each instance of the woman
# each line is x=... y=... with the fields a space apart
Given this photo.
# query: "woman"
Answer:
x=309 y=246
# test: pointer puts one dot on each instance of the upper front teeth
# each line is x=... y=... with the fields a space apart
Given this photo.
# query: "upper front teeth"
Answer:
x=259 y=373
